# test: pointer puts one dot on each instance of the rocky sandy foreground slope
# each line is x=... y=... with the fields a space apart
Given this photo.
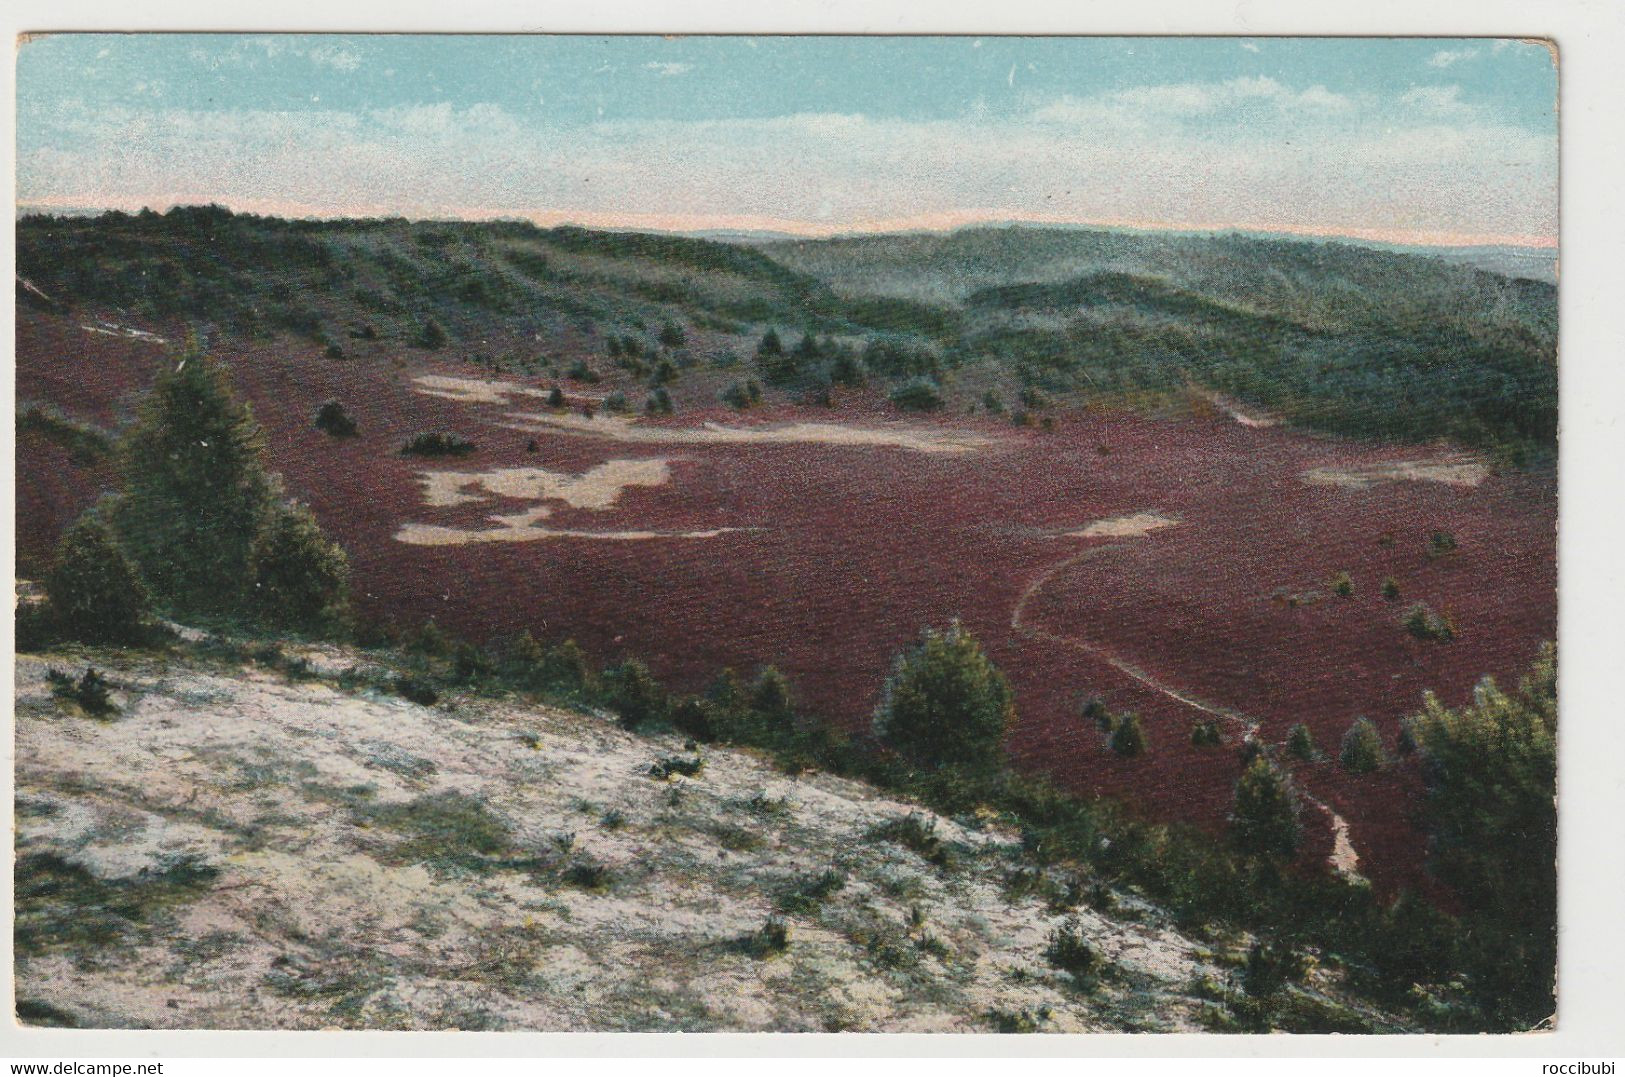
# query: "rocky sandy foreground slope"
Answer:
x=240 y=849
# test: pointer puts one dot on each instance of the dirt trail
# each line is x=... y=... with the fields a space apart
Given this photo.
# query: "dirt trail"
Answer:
x=1343 y=858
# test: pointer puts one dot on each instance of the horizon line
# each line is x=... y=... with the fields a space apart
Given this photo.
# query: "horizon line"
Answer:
x=942 y=222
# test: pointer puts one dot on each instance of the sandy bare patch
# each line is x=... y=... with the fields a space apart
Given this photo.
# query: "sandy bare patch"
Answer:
x=597 y=489
x=108 y=329
x=431 y=535
x=1136 y=526
x=1455 y=472
x=472 y=390
x=621 y=428
x=1251 y=418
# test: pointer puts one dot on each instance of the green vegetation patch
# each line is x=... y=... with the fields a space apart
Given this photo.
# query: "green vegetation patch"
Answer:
x=63 y=906
x=445 y=830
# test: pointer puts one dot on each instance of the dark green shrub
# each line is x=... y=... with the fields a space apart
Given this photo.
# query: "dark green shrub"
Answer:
x=1390 y=589
x=95 y=593
x=616 y=402
x=1361 y=752
x=35 y=627
x=587 y=874
x=946 y=703
x=635 y=696
x=807 y=893
x=331 y=418
x=555 y=398
x=659 y=403
x=1265 y=973
x=1264 y=818
x=992 y=403
x=742 y=395
x=917 y=394
x=414 y=690
x=580 y=371
x=918 y=833
x=1301 y=742
x=566 y=669
x=430 y=336
x=1342 y=585
x=470 y=663
x=1441 y=543
x=436 y=443
x=1206 y=735
x=1422 y=622
x=429 y=640
x=846 y=369
x=672 y=335
x=692 y=717
x=1416 y=944
x=1070 y=951
x=300 y=577
x=769 y=940
x=670 y=765
x=770 y=699
x=90 y=692
x=1128 y=739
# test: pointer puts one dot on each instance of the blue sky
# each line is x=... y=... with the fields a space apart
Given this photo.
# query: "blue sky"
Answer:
x=1423 y=139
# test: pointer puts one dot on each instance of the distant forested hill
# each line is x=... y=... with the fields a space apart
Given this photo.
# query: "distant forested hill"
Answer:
x=1334 y=337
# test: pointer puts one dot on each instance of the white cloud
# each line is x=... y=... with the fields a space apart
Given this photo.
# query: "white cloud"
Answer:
x=335 y=56
x=1251 y=153
x=667 y=69
x=1435 y=101
x=1446 y=57
x=1250 y=46
x=1201 y=101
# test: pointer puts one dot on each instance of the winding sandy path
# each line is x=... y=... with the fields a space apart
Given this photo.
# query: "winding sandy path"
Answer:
x=1343 y=858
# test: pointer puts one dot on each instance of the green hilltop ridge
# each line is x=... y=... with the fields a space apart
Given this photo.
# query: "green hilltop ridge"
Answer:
x=1333 y=337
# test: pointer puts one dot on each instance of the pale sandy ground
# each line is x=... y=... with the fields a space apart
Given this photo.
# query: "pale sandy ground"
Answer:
x=473 y=390
x=108 y=329
x=623 y=428
x=1135 y=526
x=317 y=919
x=521 y=527
x=1251 y=418
x=1451 y=471
x=597 y=489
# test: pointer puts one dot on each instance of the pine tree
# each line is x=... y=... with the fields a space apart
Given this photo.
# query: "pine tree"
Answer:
x=195 y=491
x=1362 y=748
x=635 y=695
x=1301 y=742
x=300 y=577
x=1264 y=820
x=1128 y=739
x=1491 y=770
x=947 y=703
x=523 y=659
x=770 y=698
x=94 y=592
